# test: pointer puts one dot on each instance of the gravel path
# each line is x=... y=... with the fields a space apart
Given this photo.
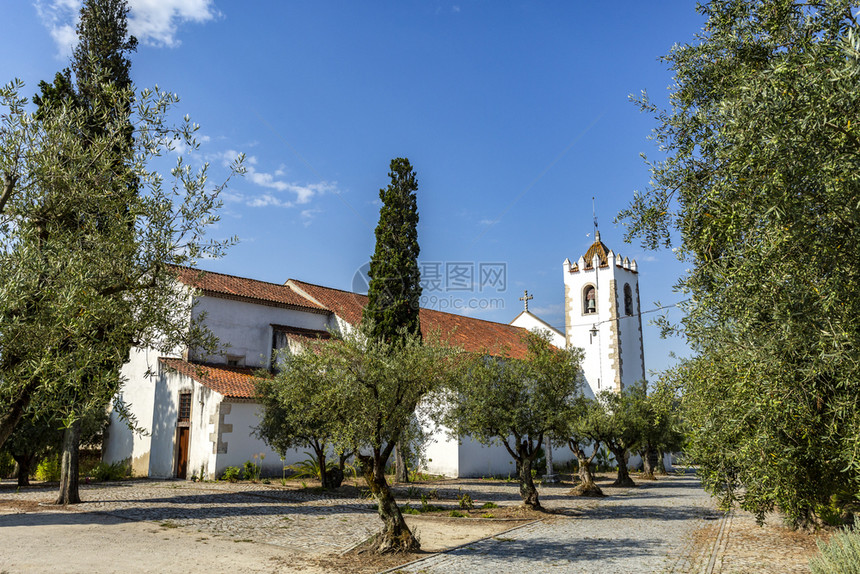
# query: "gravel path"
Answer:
x=649 y=529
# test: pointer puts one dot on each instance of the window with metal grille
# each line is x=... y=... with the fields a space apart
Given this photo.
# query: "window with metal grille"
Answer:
x=184 y=407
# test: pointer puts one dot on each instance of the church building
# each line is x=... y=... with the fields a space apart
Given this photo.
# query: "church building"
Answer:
x=199 y=411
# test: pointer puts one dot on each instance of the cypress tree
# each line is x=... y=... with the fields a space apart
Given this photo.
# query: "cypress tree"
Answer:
x=394 y=291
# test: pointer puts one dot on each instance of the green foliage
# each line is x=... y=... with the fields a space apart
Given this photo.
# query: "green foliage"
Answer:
x=368 y=388
x=427 y=507
x=394 y=291
x=456 y=514
x=760 y=191
x=309 y=468
x=88 y=232
x=110 y=472
x=48 y=469
x=250 y=471
x=489 y=505
x=465 y=501
x=516 y=401
x=407 y=509
x=840 y=554
x=231 y=474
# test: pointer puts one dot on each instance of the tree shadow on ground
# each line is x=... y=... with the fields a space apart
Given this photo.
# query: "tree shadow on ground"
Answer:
x=549 y=550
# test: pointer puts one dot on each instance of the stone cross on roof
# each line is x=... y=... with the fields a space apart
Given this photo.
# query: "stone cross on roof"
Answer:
x=526 y=298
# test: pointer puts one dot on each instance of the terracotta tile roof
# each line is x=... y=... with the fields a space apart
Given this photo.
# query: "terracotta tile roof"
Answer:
x=242 y=289
x=467 y=332
x=233 y=382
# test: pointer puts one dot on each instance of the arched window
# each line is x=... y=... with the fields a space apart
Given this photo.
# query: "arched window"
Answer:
x=628 y=299
x=589 y=300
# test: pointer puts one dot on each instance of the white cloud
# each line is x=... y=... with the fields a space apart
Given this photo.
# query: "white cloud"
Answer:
x=152 y=22
x=303 y=193
x=60 y=17
x=266 y=200
x=308 y=215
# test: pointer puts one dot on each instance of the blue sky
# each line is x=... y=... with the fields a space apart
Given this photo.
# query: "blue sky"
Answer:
x=514 y=115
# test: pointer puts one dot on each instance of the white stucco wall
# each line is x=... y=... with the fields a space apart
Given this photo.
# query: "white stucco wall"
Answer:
x=138 y=393
x=442 y=454
x=242 y=445
x=244 y=329
x=530 y=322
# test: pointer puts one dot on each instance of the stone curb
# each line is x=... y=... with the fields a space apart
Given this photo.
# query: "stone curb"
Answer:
x=719 y=547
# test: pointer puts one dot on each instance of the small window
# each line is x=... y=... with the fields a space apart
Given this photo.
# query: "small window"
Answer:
x=235 y=360
x=184 y=407
x=589 y=304
x=628 y=299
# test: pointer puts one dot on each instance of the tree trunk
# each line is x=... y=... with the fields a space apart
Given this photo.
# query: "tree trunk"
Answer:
x=401 y=473
x=527 y=486
x=586 y=486
x=25 y=467
x=69 y=469
x=341 y=461
x=661 y=464
x=12 y=415
x=323 y=470
x=649 y=461
x=623 y=475
x=395 y=535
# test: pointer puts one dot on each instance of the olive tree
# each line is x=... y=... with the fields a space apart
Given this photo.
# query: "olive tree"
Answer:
x=362 y=392
x=759 y=193
x=296 y=410
x=515 y=402
x=578 y=436
x=77 y=288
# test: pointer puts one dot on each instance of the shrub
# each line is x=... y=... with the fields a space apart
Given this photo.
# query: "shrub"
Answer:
x=465 y=501
x=231 y=474
x=310 y=467
x=489 y=505
x=840 y=555
x=250 y=471
x=115 y=471
x=457 y=514
x=49 y=469
x=406 y=509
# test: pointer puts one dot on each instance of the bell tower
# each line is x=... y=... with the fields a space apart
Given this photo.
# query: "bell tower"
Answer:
x=602 y=316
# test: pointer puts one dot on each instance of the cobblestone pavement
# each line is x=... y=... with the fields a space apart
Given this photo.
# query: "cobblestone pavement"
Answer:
x=649 y=529
x=670 y=525
x=317 y=524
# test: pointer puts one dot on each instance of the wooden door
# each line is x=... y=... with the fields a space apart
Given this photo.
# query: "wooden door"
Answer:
x=182 y=453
